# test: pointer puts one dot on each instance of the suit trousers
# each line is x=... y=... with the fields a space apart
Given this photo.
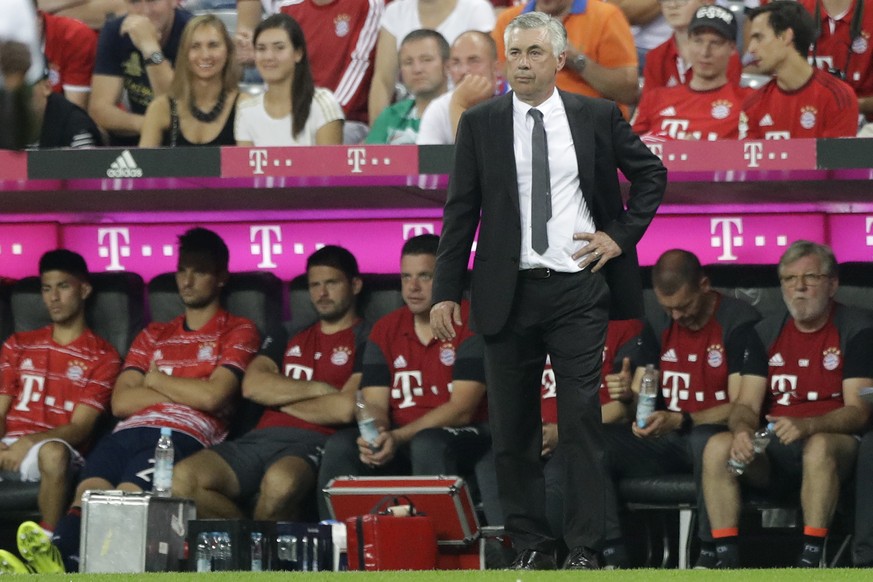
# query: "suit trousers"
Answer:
x=565 y=316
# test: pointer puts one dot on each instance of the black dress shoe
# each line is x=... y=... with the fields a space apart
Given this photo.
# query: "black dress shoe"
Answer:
x=534 y=560
x=581 y=558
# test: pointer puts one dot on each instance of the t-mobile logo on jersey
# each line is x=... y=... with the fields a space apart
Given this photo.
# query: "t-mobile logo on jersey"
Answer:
x=31 y=391
x=297 y=372
x=407 y=385
x=675 y=388
x=784 y=385
x=722 y=231
x=114 y=244
x=266 y=242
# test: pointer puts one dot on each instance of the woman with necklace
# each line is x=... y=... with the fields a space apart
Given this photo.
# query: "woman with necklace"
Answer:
x=292 y=111
x=200 y=107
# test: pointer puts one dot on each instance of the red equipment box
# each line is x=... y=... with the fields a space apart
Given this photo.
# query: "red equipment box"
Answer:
x=445 y=499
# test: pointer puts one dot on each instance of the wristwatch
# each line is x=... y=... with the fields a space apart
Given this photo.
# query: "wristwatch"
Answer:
x=580 y=62
x=156 y=58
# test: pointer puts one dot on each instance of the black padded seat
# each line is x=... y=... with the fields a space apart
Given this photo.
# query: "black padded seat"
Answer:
x=380 y=295
x=256 y=295
x=115 y=311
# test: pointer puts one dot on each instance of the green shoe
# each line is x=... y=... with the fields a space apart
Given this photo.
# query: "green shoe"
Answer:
x=36 y=547
x=10 y=564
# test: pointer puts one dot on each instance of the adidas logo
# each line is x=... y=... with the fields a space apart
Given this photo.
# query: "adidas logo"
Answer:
x=670 y=356
x=400 y=362
x=766 y=121
x=295 y=351
x=124 y=166
x=669 y=112
x=776 y=360
x=27 y=364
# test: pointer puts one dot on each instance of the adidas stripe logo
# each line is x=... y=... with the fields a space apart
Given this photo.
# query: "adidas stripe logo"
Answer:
x=777 y=360
x=670 y=356
x=400 y=362
x=766 y=121
x=124 y=166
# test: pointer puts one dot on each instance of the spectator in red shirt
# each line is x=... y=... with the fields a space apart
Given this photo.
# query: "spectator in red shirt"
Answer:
x=708 y=106
x=70 y=50
x=800 y=100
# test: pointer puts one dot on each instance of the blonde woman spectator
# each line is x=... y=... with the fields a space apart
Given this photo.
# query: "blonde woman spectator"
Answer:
x=200 y=107
x=448 y=17
x=292 y=111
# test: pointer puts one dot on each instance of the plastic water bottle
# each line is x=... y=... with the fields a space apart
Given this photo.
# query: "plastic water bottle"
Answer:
x=257 y=551
x=204 y=552
x=760 y=440
x=162 y=480
x=648 y=396
x=366 y=421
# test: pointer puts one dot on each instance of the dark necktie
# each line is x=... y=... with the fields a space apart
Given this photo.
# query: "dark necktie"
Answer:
x=541 y=187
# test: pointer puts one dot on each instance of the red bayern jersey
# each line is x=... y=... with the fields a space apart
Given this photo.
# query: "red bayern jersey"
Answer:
x=682 y=113
x=837 y=49
x=226 y=340
x=806 y=371
x=695 y=364
x=666 y=68
x=70 y=49
x=823 y=107
x=341 y=43
x=621 y=336
x=313 y=355
x=420 y=376
x=47 y=380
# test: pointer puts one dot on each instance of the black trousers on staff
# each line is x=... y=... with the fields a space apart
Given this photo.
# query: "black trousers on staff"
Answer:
x=564 y=315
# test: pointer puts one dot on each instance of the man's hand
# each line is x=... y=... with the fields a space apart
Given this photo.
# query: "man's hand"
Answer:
x=11 y=458
x=381 y=452
x=789 y=430
x=245 y=48
x=443 y=317
x=598 y=251
x=619 y=385
x=742 y=449
x=550 y=439
x=142 y=33
x=472 y=89
x=14 y=63
x=660 y=422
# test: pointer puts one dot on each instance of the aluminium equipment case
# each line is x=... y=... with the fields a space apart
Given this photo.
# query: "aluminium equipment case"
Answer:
x=133 y=532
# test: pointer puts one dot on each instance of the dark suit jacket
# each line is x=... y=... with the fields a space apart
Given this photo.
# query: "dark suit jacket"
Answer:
x=484 y=181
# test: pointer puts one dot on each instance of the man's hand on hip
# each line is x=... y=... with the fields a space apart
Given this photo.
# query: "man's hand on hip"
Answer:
x=597 y=252
x=443 y=317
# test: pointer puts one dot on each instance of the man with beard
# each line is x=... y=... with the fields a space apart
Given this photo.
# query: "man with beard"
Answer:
x=306 y=387
x=803 y=374
x=183 y=374
x=427 y=395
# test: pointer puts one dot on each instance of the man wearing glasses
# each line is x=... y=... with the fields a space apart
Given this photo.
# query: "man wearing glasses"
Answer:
x=803 y=375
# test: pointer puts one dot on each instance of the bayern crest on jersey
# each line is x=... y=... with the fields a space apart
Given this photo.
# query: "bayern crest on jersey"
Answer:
x=205 y=352
x=341 y=25
x=807 y=117
x=831 y=359
x=340 y=356
x=715 y=356
x=447 y=355
x=76 y=370
x=721 y=109
x=860 y=44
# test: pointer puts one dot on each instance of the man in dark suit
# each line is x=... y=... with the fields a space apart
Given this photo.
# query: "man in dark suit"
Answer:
x=530 y=298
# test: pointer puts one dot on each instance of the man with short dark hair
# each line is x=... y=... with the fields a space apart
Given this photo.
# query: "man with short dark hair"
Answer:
x=55 y=383
x=183 y=374
x=423 y=58
x=800 y=100
x=697 y=343
x=803 y=374
x=135 y=56
x=307 y=388
x=427 y=395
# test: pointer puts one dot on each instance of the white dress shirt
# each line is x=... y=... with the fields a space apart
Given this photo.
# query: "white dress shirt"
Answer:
x=570 y=213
